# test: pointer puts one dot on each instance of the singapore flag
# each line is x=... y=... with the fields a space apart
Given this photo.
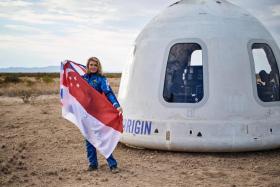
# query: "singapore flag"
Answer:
x=99 y=122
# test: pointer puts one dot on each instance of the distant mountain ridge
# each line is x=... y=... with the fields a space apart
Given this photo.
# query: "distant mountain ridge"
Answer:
x=48 y=69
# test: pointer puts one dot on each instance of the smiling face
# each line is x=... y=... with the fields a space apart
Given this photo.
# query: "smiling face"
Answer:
x=93 y=66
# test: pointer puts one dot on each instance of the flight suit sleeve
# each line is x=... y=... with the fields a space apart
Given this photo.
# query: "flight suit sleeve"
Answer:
x=107 y=90
x=85 y=77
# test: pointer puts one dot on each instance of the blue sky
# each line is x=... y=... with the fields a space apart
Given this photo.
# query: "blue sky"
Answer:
x=45 y=32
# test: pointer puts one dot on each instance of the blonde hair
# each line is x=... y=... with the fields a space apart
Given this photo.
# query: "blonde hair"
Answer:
x=99 y=67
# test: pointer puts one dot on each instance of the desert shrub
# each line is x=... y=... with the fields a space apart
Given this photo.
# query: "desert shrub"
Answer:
x=47 y=79
x=53 y=75
x=26 y=95
x=30 y=83
x=112 y=75
x=12 y=79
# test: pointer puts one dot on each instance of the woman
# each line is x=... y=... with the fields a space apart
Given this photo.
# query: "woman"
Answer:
x=95 y=78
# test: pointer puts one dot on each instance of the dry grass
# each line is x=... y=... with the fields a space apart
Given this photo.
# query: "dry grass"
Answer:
x=30 y=87
x=114 y=83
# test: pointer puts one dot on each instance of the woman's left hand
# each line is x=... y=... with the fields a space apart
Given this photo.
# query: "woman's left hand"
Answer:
x=120 y=110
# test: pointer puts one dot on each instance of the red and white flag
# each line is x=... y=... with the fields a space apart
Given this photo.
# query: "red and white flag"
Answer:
x=98 y=121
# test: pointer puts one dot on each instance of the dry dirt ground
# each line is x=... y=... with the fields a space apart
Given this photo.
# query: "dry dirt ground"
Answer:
x=40 y=148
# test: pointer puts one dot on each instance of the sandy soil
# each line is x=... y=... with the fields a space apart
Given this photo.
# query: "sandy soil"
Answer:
x=40 y=148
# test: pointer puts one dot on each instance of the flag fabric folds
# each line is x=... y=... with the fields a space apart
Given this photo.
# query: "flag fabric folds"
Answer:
x=98 y=121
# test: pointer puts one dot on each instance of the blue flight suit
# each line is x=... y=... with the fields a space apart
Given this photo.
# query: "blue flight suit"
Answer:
x=100 y=83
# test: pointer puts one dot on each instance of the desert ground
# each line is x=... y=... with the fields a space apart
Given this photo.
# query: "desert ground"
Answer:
x=40 y=148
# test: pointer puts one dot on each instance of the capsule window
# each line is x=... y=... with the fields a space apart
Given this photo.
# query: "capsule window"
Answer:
x=184 y=74
x=267 y=72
